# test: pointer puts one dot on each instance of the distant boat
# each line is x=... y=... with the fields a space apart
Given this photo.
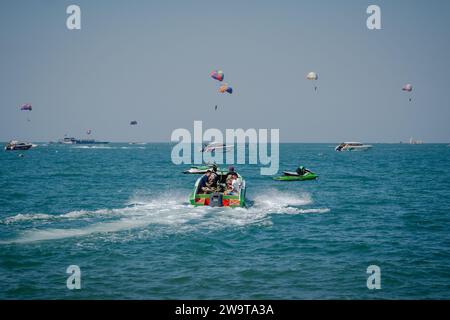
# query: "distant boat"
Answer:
x=89 y=141
x=216 y=146
x=353 y=146
x=67 y=141
x=412 y=141
x=16 y=145
x=72 y=140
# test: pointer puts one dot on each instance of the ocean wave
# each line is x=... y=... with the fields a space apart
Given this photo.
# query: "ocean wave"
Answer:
x=80 y=214
x=173 y=213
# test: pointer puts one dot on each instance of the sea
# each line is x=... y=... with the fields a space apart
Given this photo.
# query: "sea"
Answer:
x=120 y=213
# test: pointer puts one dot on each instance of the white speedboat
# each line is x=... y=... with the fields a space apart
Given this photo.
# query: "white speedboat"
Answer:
x=353 y=146
x=16 y=145
x=216 y=146
x=67 y=141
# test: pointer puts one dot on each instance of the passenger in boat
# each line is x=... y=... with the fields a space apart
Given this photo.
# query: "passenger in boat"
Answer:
x=229 y=188
x=233 y=185
x=204 y=181
x=230 y=173
x=229 y=191
x=236 y=184
x=209 y=182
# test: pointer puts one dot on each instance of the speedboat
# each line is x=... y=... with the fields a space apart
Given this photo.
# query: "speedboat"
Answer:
x=294 y=176
x=67 y=141
x=353 y=146
x=16 y=145
x=218 y=198
x=216 y=146
x=198 y=169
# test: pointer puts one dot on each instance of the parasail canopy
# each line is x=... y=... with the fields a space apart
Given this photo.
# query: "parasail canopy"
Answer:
x=312 y=76
x=217 y=75
x=27 y=107
x=407 y=87
x=225 y=88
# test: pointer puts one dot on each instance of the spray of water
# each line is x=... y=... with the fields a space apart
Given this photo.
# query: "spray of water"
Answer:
x=172 y=213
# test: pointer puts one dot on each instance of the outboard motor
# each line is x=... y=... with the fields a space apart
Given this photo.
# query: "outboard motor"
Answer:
x=215 y=200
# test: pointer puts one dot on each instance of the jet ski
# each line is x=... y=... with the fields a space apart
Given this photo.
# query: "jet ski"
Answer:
x=294 y=176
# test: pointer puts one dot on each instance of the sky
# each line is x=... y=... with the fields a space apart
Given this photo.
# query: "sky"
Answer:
x=150 y=61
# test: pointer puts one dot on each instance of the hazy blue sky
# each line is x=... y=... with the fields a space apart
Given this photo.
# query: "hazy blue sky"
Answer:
x=150 y=61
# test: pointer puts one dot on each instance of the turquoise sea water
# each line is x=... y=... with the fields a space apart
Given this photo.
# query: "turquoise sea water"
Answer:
x=121 y=214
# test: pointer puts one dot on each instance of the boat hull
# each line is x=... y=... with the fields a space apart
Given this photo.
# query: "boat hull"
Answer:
x=363 y=148
x=18 y=148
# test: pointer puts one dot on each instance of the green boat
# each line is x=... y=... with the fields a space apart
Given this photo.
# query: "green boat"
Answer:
x=218 y=199
x=294 y=176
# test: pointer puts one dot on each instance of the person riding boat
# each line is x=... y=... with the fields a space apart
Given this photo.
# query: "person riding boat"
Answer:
x=208 y=184
x=202 y=185
x=233 y=185
x=236 y=183
x=302 y=171
x=230 y=173
x=229 y=186
x=214 y=178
